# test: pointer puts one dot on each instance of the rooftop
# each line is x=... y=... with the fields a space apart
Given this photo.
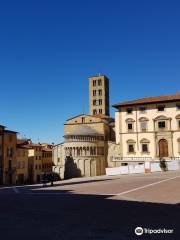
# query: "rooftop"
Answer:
x=23 y=141
x=24 y=146
x=83 y=130
x=98 y=76
x=47 y=149
x=148 y=100
x=101 y=116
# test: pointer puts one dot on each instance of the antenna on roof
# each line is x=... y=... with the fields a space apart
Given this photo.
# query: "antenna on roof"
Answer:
x=99 y=74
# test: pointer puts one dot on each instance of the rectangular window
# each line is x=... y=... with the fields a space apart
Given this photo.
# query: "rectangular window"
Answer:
x=94 y=92
x=124 y=164
x=94 y=102
x=142 y=109
x=178 y=124
x=144 y=147
x=130 y=148
x=100 y=92
x=129 y=110
x=23 y=164
x=143 y=126
x=100 y=101
x=11 y=152
x=10 y=164
x=18 y=165
x=161 y=108
x=10 y=138
x=130 y=126
x=94 y=82
x=100 y=111
x=178 y=106
x=179 y=147
x=94 y=111
x=162 y=124
x=8 y=152
x=99 y=82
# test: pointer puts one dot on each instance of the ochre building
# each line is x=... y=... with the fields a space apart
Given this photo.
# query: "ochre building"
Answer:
x=8 y=141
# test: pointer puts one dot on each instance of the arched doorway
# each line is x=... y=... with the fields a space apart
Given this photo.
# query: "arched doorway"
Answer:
x=163 y=148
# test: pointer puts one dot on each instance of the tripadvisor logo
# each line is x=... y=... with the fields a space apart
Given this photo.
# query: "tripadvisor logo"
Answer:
x=139 y=231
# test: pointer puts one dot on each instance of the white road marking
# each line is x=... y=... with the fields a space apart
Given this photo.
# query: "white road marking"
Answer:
x=102 y=194
x=15 y=190
x=146 y=186
x=76 y=193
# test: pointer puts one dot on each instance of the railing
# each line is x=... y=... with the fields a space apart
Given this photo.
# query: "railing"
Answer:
x=120 y=159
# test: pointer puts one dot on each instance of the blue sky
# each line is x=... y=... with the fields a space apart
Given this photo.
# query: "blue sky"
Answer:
x=48 y=49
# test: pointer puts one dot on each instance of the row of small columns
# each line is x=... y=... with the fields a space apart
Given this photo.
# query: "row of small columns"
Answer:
x=84 y=151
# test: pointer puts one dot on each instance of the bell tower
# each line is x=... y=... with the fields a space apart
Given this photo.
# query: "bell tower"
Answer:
x=99 y=95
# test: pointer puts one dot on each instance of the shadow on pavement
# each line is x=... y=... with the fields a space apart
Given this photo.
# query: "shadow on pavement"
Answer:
x=40 y=186
x=76 y=216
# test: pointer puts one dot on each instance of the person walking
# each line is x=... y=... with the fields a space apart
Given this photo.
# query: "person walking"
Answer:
x=52 y=179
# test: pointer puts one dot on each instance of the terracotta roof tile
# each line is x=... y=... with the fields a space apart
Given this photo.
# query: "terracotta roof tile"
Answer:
x=47 y=150
x=24 y=146
x=146 y=100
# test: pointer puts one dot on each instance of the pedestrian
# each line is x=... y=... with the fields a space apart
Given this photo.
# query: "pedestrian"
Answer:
x=52 y=179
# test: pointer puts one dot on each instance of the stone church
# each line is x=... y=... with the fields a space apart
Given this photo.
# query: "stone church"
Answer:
x=84 y=151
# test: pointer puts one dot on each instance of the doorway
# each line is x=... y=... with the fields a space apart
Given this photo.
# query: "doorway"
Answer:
x=163 y=148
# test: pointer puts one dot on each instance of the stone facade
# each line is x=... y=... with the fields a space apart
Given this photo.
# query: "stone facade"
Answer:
x=84 y=151
x=99 y=95
x=148 y=128
x=58 y=157
x=39 y=161
x=32 y=160
x=22 y=164
x=85 y=148
x=8 y=141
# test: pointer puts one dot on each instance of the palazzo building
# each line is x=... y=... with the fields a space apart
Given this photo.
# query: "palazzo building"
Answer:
x=147 y=128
